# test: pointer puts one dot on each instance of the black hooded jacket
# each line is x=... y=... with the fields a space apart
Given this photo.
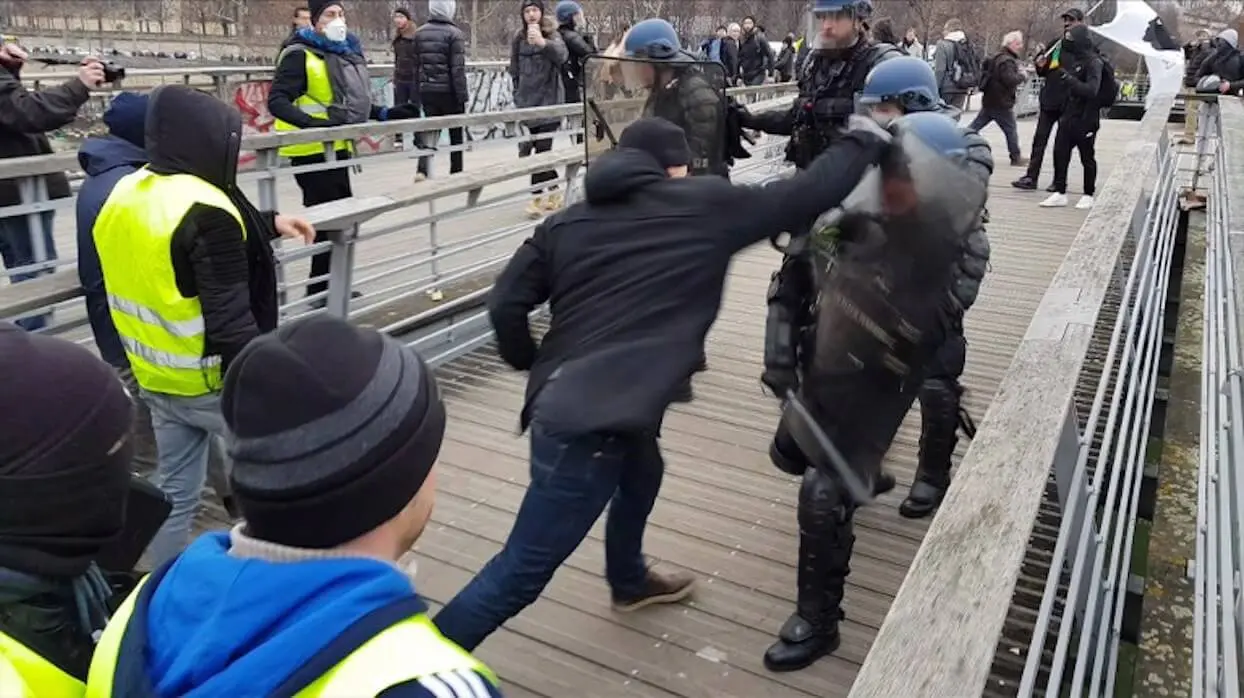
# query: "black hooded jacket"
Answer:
x=633 y=277
x=1081 y=78
x=234 y=279
x=579 y=46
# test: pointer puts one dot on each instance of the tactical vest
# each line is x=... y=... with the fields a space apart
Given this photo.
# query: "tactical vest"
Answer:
x=409 y=650
x=25 y=674
x=314 y=103
x=162 y=330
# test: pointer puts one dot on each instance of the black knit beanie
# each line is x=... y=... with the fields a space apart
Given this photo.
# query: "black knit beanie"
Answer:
x=532 y=3
x=660 y=138
x=64 y=454
x=317 y=8
x=333 y=430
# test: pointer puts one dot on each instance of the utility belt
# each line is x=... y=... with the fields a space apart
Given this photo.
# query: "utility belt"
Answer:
x=810 y=139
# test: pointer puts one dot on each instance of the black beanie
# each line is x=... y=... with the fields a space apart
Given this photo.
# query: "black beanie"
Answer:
x=64 y=455
x=532 y=3
x=333 y=429
x=317 y=8
x=660 y=138
x=403 y=12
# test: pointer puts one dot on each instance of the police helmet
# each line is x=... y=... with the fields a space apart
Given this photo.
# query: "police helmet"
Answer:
x=937 y=131
x=654 y=39
x=566 y=10
x=906 y=82
x=863 y=9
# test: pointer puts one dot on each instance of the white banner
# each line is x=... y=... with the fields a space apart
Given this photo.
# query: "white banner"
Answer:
x=1134 y=28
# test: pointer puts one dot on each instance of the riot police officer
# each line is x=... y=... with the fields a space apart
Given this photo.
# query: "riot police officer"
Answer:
x=691 y=94
x=904 y=86
x=836 y=64
x=862 y=405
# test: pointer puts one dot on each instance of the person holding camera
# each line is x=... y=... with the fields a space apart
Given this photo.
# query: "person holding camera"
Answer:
x=317 y=58
x=25 y=119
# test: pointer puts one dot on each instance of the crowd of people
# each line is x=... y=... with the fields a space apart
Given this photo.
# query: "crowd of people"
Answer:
x=321 y=438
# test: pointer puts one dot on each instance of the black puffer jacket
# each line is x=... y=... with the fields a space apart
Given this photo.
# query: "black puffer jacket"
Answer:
x=579 y=46
x=440 y=56
x=755 y=56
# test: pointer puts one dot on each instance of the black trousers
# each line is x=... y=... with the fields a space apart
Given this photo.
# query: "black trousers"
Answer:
x=444 y=104
x=1046 y=119
x=1005 y=118
x=408 y=93
x=1081 y=137
x=321 y=187
x=539 y=145
x=940 y=398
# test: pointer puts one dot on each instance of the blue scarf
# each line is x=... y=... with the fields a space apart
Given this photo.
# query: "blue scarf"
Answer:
x=351 y=45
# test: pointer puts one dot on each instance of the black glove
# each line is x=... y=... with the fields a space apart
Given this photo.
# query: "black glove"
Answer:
x=404 y=111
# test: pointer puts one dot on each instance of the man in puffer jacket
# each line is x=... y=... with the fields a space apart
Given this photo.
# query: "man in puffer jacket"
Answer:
x=537 y=57
x=440 y=69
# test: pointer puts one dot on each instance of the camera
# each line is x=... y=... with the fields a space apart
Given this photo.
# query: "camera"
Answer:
x=113 y=72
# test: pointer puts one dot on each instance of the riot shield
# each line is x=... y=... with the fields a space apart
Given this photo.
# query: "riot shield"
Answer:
x=618 y=91
x=886 y=268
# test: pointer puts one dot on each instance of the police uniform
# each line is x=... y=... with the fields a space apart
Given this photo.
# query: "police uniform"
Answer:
x=408 y=650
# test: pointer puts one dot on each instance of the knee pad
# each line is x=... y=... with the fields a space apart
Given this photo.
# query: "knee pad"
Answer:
x=823 y=503
x=785 y=453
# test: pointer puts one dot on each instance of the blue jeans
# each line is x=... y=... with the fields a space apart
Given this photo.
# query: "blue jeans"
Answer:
x=572 y=479
x=18 y=250
x=184 y=428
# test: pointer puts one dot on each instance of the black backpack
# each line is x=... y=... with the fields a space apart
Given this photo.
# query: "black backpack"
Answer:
x=1108 y=90
x=966 y=68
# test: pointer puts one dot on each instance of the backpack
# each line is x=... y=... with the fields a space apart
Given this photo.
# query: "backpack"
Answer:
x=987 y=69
x=966 y=67
x=1108 y=90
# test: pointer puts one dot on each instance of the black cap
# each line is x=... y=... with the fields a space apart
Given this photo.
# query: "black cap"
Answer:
x=1074 y=13
x=333 y=430
x=64 y=454
x=660 y=138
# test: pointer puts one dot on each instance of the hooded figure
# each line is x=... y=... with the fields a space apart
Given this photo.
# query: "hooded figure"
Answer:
x=1223 y=60
x=538 y=57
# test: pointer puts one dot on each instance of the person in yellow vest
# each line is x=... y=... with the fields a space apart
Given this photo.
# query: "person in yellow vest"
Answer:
x=322 y=80
x=190 y=278
x=64 y=473
x=335 y=432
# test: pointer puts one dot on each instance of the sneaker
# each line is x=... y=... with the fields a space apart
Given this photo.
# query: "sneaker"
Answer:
x=535 y=209
x=1085 y=203
x=1019 y=161
x=1054 y=200
x=553 y=202
x=668 y=587
x=1026 y=183
x=419 y=177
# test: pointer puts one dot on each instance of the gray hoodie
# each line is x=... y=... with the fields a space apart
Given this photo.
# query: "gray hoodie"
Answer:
x=537 y=71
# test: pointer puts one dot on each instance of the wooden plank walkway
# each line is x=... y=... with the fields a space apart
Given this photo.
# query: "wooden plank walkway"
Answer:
x=725 y=513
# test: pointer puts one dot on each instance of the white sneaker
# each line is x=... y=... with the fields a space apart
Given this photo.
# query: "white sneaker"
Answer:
x=1054 y=200
x=1085 y=203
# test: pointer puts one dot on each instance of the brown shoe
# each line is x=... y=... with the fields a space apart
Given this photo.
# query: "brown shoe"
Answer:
x=667 y=587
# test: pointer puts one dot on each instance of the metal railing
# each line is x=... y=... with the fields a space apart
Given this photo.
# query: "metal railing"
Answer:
x=959 y=590
x=1218 y=642
x=427 y=263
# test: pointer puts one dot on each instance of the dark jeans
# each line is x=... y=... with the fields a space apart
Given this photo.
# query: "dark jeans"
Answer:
x=441 y=104
x=408 y=93
x=1005 y=118
x=539 y=145
x=18 y=250
x=757 y=79
x=1046 y=119
x=321 y=187
x=958 y=100
x=572 y=480
x=1072 y=136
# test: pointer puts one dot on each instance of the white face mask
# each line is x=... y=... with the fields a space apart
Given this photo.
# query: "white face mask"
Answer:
x=336 y=30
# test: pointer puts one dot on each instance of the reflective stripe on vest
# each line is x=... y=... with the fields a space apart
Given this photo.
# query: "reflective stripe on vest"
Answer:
x=25 y=674
x=314 y=103
x=162 y=330
x=409 y=650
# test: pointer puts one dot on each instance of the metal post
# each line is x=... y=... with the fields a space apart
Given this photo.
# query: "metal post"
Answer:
x=341 y=271
x=33 y=190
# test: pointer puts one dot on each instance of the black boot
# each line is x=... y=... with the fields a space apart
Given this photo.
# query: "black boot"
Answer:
x=939 y=420
x=826 y=537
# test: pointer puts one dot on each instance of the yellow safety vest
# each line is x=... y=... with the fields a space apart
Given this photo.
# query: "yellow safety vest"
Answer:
x=408 y=650
x=162 y=330
x=25 y=674
x=314 y=103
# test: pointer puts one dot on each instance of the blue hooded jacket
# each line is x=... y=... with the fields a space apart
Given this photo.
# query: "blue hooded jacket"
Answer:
x=106 y=160
x=211 y=624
